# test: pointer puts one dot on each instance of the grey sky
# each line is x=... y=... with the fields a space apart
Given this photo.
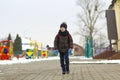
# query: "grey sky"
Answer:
x=38 y=19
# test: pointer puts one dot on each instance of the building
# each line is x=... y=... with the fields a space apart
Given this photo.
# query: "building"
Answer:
x=30 y=44
x=77 y=50
x=115 y=7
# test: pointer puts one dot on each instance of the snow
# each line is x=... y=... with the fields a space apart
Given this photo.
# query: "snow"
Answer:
x=97 y=62
x=23 y=60
x=80 y=60
x=84 y=60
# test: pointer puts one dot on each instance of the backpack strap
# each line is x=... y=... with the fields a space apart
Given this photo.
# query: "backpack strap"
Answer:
x=58 y=36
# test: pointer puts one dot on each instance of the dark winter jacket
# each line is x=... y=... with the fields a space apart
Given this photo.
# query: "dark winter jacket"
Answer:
x=63 y=41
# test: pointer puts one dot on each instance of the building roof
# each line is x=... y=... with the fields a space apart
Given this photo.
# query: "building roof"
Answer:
x=112 y=4
x=77 y=45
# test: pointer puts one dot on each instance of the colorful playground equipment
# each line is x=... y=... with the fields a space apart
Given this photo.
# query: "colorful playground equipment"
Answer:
x=29 y=54
x=32 y=53
x=88 y=47
x=44 y=53
x=5 y=51
x=21 y=56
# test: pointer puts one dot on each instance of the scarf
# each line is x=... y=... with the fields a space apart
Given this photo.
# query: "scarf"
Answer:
x=65 y=33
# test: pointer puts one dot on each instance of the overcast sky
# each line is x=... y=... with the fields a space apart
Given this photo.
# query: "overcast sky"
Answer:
x=38 y=19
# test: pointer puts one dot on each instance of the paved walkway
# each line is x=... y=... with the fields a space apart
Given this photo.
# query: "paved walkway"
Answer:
x=50 y=70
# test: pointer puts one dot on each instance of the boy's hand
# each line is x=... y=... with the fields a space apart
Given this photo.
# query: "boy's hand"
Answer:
x=70 y=51
x=56 y=51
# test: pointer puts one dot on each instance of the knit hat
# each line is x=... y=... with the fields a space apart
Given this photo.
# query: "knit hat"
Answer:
x=63 y=25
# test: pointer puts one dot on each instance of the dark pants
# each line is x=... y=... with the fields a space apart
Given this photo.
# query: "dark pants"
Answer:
x=64 y=61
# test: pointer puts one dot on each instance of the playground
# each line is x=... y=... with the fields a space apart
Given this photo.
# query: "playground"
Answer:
x=7 y=53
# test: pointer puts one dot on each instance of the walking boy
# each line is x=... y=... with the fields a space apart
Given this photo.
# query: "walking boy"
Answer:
x=63 y=43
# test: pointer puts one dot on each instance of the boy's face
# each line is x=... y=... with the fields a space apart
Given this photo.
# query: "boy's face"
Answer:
x=62 y=29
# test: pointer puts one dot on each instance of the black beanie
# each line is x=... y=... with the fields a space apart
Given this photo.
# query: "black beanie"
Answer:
x=63 y=25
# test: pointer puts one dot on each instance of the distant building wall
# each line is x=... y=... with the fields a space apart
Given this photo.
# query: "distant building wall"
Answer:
x=78 y=50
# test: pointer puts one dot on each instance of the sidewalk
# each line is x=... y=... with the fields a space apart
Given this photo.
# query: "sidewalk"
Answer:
x=50 y=70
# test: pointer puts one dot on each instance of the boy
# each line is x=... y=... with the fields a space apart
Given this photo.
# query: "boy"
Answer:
x=63 y=43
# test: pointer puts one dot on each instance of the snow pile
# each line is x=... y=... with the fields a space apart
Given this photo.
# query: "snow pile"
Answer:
x=80 y=60
x=23 y=60
x=84 y=60
x=97 y=62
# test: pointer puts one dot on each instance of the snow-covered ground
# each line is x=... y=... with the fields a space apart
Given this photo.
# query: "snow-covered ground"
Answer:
x=84 y=60
x=97 y=62
x=23 y=60
x=80 y=60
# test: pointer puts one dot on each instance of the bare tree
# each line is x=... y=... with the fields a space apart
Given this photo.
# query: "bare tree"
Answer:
x=90 y=13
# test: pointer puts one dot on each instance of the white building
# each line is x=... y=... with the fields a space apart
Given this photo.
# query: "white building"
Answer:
x=26 y=44
x=29 y=44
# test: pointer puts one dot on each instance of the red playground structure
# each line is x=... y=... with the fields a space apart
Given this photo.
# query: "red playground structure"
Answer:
x=5 y=53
